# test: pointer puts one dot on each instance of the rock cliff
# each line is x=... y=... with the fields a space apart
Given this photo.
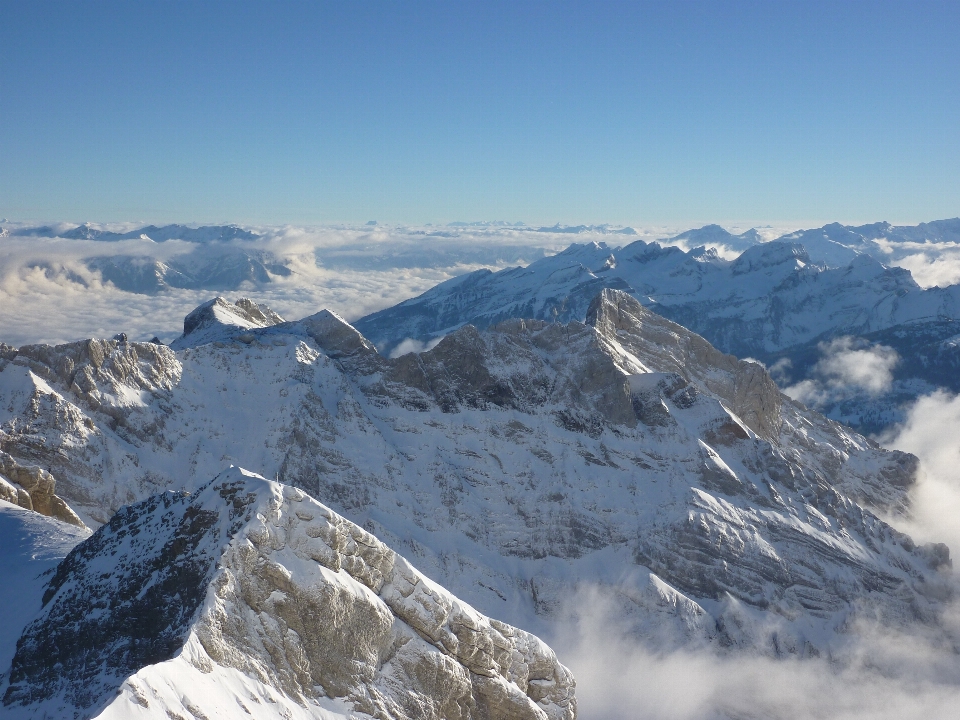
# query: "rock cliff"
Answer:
x=251 y=582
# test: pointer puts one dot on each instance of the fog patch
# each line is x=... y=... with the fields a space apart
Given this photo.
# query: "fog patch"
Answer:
x=847 y=367
x=931 y=263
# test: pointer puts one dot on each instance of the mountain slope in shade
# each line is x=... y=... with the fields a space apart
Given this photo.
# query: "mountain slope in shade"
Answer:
x=250 y=598
x=516 y=465
x=32 y=546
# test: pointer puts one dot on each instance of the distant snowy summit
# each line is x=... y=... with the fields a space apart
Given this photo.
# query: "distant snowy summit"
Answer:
x=249 y=597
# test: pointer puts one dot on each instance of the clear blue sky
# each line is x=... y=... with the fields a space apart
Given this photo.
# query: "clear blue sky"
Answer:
x=634 y=113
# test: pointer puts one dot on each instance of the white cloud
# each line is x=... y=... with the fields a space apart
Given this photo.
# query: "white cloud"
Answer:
x=875 y=673
x=48 y=294
x=930 y=263
x=847 y=366
x=409 y=345
x=932 y=433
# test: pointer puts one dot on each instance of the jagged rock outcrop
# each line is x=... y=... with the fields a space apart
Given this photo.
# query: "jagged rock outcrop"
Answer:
x=248 y=577
x=520 y=462
x=33 y=488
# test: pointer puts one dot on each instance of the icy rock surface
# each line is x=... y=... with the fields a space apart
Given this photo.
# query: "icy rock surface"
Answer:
x=516 y=465
x=250 y=579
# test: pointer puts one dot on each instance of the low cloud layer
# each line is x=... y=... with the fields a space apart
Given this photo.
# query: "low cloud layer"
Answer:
x=848 y=366
x=879 y=674
x=930 y=263
x=48 y=293
x=932 y=433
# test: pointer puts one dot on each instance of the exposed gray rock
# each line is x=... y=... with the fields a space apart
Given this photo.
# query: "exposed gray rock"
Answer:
x=251 y=575
x=33 y=488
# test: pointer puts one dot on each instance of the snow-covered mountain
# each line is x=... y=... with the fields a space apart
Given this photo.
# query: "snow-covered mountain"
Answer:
x=514 y=465
x=836 y=244
x=251 y=597
x=202 y=234
x=770 y=298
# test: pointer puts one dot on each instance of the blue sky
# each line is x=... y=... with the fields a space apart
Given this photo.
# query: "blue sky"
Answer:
x=634 y=113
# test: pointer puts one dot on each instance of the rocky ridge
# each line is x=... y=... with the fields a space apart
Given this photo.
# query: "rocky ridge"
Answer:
x=250 y=579
x=517 y=464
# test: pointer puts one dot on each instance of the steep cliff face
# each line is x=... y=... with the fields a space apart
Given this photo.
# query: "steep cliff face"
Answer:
x=517 y=465
x=250 y=584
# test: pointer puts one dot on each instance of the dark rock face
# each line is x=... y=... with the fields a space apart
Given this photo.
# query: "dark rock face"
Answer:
x=122 y=600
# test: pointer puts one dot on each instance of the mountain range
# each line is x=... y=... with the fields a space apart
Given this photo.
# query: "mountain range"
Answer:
x=515 y=464
x=577 y=432
x=772 y=303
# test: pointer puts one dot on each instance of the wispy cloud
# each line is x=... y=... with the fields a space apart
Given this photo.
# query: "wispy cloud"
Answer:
x=931 y=431
x=847 y=366
x=930 y=263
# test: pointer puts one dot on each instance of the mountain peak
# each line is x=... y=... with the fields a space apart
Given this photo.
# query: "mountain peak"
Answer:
x=254 y=586
x=769 y=255
x=335 y=336
x=217 y=319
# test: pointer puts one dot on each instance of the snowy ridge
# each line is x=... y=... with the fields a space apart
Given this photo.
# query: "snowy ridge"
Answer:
x=771 y=297
x=515 y=464
x=218 y=319
x=255 y=584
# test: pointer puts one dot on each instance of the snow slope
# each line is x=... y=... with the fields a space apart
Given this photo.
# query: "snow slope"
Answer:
x=250 y=597
x=514 y=465
x=32 y=545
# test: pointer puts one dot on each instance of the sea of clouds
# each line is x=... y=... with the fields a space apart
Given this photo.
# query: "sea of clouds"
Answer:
x=48 y=294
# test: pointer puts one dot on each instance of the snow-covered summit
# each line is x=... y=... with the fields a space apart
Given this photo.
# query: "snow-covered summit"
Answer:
x=217 y=319
x=249 y=596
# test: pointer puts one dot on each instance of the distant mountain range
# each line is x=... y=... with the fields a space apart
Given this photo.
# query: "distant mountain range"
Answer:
x=774 y=302
x=203 y=234
x=778 y=302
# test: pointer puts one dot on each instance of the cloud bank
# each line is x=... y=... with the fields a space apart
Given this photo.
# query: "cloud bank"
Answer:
x=48 y=292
